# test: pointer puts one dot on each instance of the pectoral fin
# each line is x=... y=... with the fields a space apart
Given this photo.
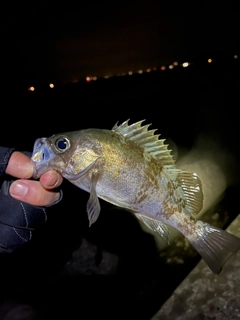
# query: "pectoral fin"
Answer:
x=156 y=226
x=74 y=176
x=93 y=204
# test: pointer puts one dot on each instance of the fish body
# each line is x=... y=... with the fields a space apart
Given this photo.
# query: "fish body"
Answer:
x=130 y=167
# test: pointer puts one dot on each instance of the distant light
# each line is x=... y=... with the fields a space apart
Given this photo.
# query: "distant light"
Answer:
x=154 y=68
x=31 y=89
x=88 y=79
x=140 y=71
x=74 y=80
x=175 y=63
x=51 y=85
x=130 y=73
x=163 y=68
x=235 y=56
x=209 y=60
x=185 y=64
x=148 y=70
x=171 y=66
x=94 y=78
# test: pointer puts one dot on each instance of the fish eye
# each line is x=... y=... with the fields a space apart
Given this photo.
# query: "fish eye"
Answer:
x=62 y=144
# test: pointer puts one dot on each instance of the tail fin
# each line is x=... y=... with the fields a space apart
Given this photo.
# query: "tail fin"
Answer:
x=215 y=245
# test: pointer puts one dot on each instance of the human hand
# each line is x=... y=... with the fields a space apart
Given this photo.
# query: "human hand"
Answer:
x=37 y=193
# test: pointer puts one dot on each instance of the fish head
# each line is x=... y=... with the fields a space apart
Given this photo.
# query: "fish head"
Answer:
x=71 y=154
x=47 y=154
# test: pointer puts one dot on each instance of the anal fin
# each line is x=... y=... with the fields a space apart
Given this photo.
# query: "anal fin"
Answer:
x=156 y=226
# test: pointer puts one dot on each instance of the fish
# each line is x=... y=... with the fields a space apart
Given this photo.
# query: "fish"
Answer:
x=130 y=167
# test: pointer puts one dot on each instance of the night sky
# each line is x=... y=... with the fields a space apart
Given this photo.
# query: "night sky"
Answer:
x=65 y=41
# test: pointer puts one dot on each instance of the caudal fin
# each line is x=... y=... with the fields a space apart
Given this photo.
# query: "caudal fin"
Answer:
x=215 y=245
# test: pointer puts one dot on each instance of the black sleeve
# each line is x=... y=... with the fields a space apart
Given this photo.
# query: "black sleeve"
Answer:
x=5 y=154
x=17 y=219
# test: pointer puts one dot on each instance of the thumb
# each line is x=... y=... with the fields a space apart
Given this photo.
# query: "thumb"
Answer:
x=33 y=193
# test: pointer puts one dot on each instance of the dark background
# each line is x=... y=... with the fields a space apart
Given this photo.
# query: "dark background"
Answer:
x=51 y=41
x=45 y=42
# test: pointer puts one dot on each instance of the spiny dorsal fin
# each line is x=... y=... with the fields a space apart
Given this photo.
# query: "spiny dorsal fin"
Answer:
x=146 y=139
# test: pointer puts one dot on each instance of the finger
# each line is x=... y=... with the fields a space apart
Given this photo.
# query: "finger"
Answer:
x=51 y=179
x=20 y=166
x=32 y=192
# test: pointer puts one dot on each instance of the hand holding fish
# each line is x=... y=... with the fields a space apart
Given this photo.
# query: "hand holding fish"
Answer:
x=130 y=167
x=34 y=192
x=19 y=217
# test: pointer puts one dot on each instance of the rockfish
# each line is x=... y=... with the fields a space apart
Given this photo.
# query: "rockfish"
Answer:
x=130 y=167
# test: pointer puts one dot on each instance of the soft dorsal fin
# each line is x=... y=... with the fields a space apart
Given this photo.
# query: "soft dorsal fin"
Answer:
x=146 y=139
x=191 y=186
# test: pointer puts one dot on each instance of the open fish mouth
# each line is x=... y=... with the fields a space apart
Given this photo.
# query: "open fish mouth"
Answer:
x=40 y=157
x=38 y=154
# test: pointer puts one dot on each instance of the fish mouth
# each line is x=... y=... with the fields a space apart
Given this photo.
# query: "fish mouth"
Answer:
x=40 y=157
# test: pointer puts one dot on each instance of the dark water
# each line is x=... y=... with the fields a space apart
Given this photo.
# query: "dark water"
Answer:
x=182 y=104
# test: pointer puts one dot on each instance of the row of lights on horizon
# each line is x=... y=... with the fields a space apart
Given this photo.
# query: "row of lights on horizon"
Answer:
x=94 y=78
x=162 y=68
